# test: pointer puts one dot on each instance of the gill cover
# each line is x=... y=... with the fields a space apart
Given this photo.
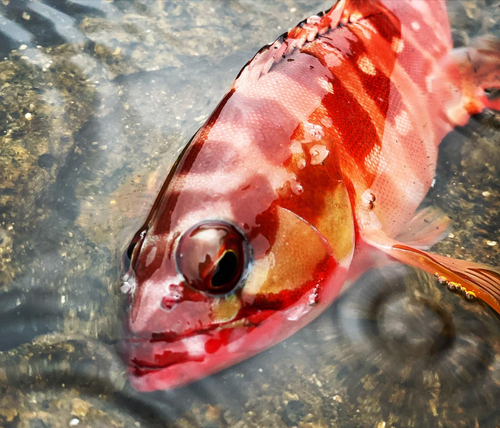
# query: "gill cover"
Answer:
x=287 y=286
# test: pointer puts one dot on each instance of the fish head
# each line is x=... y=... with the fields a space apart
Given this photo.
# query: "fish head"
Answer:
x=232 y=260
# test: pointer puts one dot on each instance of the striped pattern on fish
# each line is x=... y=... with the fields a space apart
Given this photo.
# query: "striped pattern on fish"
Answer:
x=316 y=159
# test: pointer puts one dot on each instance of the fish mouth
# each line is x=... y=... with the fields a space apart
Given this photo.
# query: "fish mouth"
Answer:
x=167 y=358
x=159 y=351
x=161 y=365
x=144 y=356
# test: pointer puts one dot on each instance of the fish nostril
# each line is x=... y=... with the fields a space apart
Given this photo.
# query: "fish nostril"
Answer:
x=168 y=303
x=172 y=297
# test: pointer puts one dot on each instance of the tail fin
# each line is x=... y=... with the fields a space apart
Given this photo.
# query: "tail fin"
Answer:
x=487 y=62
x=476 y=71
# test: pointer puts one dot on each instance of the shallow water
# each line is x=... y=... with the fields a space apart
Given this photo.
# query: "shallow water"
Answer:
x=96 y=100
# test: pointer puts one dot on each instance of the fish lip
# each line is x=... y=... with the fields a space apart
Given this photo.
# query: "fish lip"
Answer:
x=167 y=338
x=142 y=368
x=134 y=344
x=141 y=353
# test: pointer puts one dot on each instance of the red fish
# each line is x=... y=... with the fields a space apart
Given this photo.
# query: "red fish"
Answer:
x=316 y=159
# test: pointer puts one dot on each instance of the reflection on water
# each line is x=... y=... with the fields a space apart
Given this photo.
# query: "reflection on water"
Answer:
x=96 y=100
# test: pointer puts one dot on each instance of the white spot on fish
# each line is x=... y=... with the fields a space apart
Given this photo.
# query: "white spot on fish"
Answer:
x=319 y=153
x=372 y=159
x=368 y=197
x=415 y=25
x=403 y=124
x=195 y=345
x=314 y=131
x=296 y=148
x=366 y=66
x=416 y=192
x=313 y=19
x=151 y=256
x=296 y=187
x=295 y=313
x=367 y=28
x=332 y=60
x=174 y=291
x=355 y=16
x=429 y=83
x=325 y=84
x=301 y=163
x=397 y=45
x=327 y=122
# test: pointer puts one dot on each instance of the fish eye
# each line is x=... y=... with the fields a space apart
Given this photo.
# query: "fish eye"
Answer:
x=129 y=253
x=213 y=257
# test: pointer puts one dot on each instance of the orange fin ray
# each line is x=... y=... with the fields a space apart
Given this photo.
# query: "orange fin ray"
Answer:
x=428 y=227
x=474 y=279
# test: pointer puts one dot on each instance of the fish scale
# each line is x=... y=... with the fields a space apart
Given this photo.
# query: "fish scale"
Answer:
x=308 y=171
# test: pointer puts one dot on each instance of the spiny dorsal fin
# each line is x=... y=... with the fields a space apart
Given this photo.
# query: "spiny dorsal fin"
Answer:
x=355 y=10
x=342 y=13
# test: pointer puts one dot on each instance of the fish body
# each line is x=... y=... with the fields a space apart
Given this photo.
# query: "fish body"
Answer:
x=318 y=156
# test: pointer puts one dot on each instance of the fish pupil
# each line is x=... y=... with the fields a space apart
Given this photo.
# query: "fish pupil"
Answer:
x=226 y=271
x=213 y=257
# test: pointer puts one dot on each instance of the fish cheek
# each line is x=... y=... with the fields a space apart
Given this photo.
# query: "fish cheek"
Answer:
x=336 y=223
x=295 y=263
x=225 y=309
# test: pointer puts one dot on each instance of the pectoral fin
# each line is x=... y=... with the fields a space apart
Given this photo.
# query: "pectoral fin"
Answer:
x=428 y=227
x=472 y=279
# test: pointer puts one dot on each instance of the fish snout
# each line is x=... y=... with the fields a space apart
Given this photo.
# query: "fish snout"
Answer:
x=165 y=308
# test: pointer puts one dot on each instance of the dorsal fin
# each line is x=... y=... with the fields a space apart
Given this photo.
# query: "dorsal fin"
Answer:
x=355 y=10
x=342 y=13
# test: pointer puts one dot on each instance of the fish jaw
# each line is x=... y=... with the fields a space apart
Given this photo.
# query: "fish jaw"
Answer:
x=165 y=363
x=174 y=335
